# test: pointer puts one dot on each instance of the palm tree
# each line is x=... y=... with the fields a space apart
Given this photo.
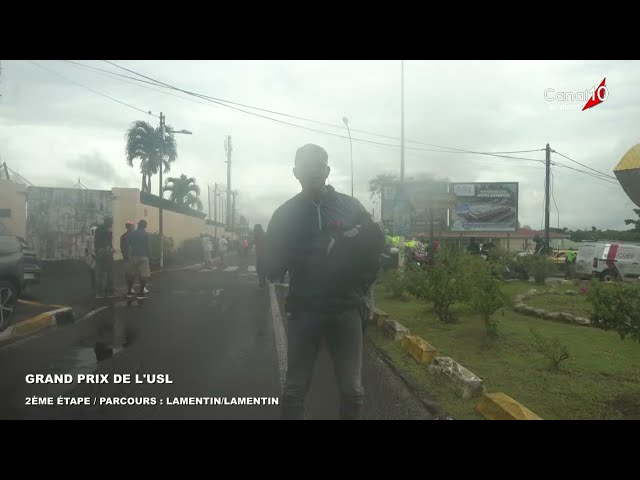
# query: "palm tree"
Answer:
x=143 y=143
x=184 y=191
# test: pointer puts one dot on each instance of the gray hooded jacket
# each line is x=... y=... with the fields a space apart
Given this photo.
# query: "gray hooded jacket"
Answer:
x=330 y=248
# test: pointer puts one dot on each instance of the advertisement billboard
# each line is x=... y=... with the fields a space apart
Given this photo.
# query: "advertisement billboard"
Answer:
x=484 y=207
x=406 y=207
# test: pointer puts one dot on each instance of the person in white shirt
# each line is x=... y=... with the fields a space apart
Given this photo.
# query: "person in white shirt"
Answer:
x=223 y=247
x=207 y=247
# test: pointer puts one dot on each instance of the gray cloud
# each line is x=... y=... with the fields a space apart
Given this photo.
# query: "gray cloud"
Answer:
x=475 y=105
x=98 y=169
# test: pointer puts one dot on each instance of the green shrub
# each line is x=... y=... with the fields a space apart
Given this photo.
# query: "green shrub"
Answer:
x=550 y=348
x=396 y=283
x=486 y=297
x=616 y=306
x=154 y=249
x=447 y=282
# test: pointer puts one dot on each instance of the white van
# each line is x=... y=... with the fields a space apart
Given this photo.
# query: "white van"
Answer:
x=587 y=259
x=619 y=260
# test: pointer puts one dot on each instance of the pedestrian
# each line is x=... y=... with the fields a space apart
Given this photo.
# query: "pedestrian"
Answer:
x=103 y=244
x=330 y=246
x=223 y=246
x=139 y=251
x=260 y=239
x=129 y=226
x=207 y=248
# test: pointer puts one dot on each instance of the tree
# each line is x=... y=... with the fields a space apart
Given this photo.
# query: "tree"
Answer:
x=184 y=191
x=376 y=183
x=636 y=222
x=143 y=142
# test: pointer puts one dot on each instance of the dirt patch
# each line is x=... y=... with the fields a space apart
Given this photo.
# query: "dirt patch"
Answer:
x=628 y=404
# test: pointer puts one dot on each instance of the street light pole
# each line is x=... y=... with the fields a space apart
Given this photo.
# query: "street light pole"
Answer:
x=402 y=123
x=161 y=189
x=401 y=254
x=346 y=122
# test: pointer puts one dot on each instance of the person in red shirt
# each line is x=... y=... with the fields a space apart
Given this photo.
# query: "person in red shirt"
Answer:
x=260 y=239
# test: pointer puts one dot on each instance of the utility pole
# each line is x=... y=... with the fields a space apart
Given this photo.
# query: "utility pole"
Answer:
x=215 y=209
x=546 y=201
x=402 y=123
x=228 y=149
x=233 y=212
x=401 y=254
x=209 y=200
x=160 y=191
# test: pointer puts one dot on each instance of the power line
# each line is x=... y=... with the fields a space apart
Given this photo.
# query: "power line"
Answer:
x=152 y=81
x=585 y=166
x=584 y=172
x=90 y=89
x=106 y=73
x=228 y=104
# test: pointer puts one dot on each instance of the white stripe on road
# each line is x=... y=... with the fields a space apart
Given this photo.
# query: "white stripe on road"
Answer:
x=231 y=269
x=280 y=335
x=252 y=268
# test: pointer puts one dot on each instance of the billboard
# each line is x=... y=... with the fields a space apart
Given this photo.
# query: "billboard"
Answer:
x=484 y=207
x=406 y=207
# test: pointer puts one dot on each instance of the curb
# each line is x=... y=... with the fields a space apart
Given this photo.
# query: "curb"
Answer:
x=493 y=406
x=60 y=316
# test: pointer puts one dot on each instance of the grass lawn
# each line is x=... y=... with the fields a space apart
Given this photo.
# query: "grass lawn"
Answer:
x=575 y=304
x=600 y=380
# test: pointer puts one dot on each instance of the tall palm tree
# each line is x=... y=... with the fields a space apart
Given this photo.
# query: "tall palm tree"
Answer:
x=143 y=142
x=184 y=191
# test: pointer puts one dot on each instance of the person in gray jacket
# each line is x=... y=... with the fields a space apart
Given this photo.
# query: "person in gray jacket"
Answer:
x=331 y=247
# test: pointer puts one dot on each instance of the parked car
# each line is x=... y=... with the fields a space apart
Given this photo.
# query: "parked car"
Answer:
x=32 y=266
x=11 y=277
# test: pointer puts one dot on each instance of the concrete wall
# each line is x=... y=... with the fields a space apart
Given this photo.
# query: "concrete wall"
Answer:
x=56 y=221
x=13 y=208
x=59 y=219
x=178 y=226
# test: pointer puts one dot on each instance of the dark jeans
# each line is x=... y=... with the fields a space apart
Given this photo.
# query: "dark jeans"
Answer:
x=261 y=271
x=104 y=274
x=343 y=334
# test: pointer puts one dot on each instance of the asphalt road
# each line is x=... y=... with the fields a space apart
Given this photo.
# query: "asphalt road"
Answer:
x=210 y=333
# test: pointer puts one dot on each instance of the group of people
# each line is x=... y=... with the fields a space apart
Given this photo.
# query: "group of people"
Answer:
x=99 y=255
x=214 y=248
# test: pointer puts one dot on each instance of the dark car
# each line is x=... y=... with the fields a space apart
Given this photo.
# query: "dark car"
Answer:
x=32 y=266
x=11 y=277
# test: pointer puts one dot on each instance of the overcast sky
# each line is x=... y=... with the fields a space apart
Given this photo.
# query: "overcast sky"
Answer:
x=53 y=131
